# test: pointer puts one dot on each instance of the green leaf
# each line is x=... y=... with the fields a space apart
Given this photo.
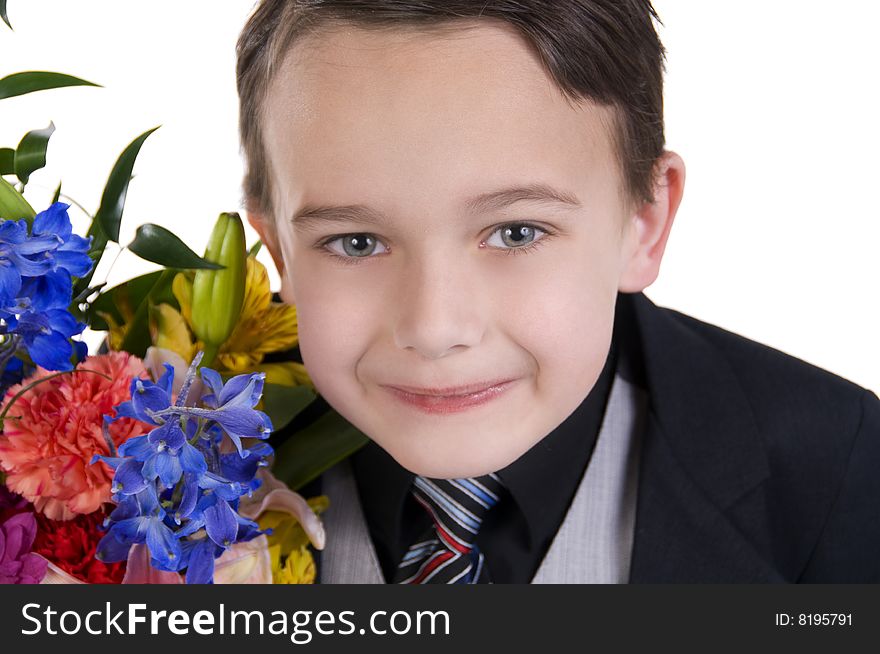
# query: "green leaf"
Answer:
x=31 y=152
x=157 y=244
x=13 y=206
x=96 y=252
x=311 y=451
x=57 y=194
x=7 y=161
x=137 y=336
x=128 y=304
x=37 y=80
x=283 y=403
x=3 y=13
x=121 y=302
x=109 y=215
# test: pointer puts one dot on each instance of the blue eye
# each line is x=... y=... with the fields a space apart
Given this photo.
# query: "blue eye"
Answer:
x=516 y=236
x=358 y=246
x=513 y=238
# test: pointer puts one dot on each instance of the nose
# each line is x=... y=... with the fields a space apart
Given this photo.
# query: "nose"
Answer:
x=440 y=308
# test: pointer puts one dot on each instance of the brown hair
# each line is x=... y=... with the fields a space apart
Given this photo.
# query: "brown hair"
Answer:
x=606 y=51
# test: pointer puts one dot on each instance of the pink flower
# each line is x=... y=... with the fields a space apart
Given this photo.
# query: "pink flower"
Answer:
x=18 y=565
x=54 y=429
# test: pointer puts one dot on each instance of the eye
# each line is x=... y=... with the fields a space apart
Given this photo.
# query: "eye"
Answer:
x=358 y=246
x=516 y=236
x=512 y=238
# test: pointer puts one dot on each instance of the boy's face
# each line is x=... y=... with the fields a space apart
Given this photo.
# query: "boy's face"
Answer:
x=438 y=294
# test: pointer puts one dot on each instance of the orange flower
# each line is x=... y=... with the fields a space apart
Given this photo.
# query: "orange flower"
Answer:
x=52 y=431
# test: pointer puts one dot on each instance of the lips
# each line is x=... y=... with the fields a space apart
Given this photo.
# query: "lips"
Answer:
x=450 y=399
x=450 y=391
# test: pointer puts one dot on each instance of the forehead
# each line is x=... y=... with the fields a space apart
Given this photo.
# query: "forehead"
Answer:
x=453 y=110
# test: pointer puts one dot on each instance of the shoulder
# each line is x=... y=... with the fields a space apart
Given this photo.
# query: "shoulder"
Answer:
x=791 y=399
x=821 y=436
x=707 y=373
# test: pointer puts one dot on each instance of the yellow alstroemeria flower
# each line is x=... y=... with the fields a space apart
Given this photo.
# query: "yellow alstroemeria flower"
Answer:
x=116 y=335
x=263 y=327
x=171 y=332
x=299 y=568
x=292 y=562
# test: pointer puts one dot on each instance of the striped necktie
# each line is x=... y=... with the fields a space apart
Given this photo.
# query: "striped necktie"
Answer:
x=447 y=553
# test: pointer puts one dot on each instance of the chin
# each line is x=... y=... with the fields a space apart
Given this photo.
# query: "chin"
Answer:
x=450 y=467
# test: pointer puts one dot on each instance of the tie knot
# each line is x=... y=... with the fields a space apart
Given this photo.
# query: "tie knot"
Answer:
x=458 y=506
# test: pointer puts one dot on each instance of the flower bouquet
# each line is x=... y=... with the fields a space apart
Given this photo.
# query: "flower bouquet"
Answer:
x=152 y=459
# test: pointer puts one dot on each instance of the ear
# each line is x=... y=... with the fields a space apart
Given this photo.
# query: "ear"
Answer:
x=265 y=228
x=646 y=234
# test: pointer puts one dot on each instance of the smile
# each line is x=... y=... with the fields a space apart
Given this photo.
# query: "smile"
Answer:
x=450 y=400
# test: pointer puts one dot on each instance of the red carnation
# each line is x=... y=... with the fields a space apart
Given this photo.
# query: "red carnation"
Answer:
x=71 y=546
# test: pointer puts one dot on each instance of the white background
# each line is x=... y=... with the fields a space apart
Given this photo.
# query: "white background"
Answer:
x=773 y=107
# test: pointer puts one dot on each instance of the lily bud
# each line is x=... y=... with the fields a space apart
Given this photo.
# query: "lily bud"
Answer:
x=217 y=295
x=13 y=206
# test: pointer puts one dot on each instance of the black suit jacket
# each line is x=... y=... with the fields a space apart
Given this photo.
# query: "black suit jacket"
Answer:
x=756 y=466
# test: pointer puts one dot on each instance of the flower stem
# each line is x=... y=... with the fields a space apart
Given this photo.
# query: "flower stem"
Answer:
x=40 y=381
x=210 y=354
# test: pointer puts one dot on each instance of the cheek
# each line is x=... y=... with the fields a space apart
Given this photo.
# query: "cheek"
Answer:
x=566 y=318
x=337 y=321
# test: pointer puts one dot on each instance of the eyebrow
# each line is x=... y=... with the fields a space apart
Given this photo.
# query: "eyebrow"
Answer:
x=312 y=216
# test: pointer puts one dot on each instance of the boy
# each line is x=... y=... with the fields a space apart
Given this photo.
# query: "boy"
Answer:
x=465 y=201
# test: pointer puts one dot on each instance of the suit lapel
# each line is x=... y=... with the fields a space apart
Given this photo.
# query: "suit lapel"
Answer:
x=681 y=535
x=701 y=454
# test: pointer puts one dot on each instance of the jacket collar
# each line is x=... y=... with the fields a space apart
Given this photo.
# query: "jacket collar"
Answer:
x=699 y=404
x=701 y=453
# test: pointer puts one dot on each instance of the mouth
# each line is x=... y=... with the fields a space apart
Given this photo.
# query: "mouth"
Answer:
x=450 y=391
x=451 y=399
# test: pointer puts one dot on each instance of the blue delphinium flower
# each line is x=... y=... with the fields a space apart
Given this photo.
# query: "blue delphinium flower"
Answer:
x=21 y=256
x=46 y=337
x=37 y=270
x=71 y=255
x=174 y=489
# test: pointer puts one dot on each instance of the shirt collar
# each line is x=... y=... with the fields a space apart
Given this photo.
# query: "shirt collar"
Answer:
x=383 y=486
